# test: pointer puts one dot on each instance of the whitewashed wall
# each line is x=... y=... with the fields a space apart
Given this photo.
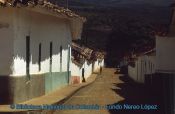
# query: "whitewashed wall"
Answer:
x=41 y=29
x=141 y=70
x=103 y=63
x=97 y=65
x=165 y=58
x=77 y=71
x=143 y=65
x=165 y=54
x=6 y=43
x=132 y=72
x=151 y=64
x=77 y=27
x=88 y=69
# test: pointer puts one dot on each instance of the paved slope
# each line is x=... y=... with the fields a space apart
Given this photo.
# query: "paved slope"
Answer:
x=111 y=89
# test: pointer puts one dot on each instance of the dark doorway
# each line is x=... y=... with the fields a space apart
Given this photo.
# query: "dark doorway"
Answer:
x=28 y=56
x=93 y=67
x=51 y=52
x=39 y=57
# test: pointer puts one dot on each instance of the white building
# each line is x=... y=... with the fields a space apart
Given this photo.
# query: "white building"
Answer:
x=165 y=70
x=165 y=66
x=161 y=74
x=142 y=67
x=84 y=60
x=35 y=49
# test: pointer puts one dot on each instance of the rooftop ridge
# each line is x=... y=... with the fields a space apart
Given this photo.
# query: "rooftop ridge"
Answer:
x=44 y=4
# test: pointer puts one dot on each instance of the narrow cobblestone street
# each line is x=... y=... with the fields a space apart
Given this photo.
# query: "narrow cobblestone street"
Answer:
x=111 y=89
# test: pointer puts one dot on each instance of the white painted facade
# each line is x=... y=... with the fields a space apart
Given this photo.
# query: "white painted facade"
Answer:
x=144 y=65
x=165 y=61
x=165 y=54
x=6 y=43
x=97 y=65
x=77 y=71
x=42 y=27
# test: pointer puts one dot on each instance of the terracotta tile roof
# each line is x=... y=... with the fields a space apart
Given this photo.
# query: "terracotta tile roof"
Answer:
x=163 y=34
x=147 y=52
x=99 y=55
x=78 y=63
x=87 y=52
x=150 y=52
x=134 y=57
x=160 y=31
x=44 y=4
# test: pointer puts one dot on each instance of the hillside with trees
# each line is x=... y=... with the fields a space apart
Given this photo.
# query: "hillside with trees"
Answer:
x=120 y=29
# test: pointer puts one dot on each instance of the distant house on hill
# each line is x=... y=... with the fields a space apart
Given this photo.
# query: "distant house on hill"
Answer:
x=35 y=48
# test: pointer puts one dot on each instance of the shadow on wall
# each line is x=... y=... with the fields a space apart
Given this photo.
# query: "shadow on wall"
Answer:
x=136 y=94
x=45 y=51
x=162 y=84
x=4 y=83
x=15 y=89
x=37 y=31
x=40 y=52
